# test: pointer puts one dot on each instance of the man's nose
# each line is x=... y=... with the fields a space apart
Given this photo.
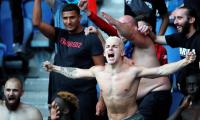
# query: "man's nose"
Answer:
x=68 y=21
x=175 y=21
x=11 y=92
x=110 y=49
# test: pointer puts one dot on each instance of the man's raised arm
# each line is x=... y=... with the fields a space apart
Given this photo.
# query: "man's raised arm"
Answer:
x=166 y=69
x=45 y=28
x=160 y=39
x=69 y=72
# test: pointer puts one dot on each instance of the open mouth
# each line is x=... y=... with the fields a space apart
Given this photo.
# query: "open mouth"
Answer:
x=11 y=98
x=110 y=55
x=178 y=27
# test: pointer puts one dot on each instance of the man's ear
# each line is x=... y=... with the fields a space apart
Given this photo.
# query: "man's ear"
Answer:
x=123 y=53
x=22 y=93
x=66 y=111
x=192 y=20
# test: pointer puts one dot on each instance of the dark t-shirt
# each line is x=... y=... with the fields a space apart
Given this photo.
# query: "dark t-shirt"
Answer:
x=153 y=5
x=186 y=45
x=74 y=50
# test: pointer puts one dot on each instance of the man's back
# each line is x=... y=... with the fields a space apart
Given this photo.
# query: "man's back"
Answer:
x=146 y=56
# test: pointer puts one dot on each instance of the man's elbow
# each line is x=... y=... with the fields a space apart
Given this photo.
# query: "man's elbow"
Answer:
x=36 y=23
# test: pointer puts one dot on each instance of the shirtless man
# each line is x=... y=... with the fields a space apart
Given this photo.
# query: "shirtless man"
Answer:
x=118 y=80
x=12 y=108
x=153 y=95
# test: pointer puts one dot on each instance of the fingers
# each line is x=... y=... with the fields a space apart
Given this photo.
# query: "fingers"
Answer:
x=82 y=4
x=47 y=66
x=144 y=28
x=55 y=112
x=98 y=112
x=189 y=98
x=109 y=19
x=191 y=56
x=90 y=29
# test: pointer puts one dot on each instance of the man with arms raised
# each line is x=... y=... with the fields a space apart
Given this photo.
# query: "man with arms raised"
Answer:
x=154 y=95
x=12 y=108
x=118 y=80
x=74 y=49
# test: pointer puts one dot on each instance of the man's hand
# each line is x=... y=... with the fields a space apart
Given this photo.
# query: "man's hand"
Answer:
x=83 y=5
x=186 y=102
x=90 y=29
x=144 y=28
x=48 y=66
x=190 y=57
x=100 y=107
x=124 y=29
x=54 y=111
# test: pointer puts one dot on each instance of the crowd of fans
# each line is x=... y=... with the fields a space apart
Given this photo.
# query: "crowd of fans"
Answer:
x=130 y=67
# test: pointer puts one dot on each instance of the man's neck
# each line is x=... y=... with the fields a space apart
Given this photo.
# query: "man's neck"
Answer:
x=78 y=30
x=115 y=68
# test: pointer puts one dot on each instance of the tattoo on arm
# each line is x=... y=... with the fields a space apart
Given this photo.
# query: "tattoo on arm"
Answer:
x=68 y=71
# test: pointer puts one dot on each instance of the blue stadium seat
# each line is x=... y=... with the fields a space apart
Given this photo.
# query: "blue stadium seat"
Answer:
x=2 y=52
x=28 y=29
x=6 y=27
x=46 y=11
x=6 y=32
x=7 y=36
x=177 y=98
x=5 y=9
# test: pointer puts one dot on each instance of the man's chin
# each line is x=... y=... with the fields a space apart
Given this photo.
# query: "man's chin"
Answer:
x=12 y=105
x=111 y=62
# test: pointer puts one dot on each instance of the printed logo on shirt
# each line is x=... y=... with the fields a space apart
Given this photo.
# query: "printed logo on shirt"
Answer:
x=69 y=43
x=149 y=5
x=128 y=2
x=185 y=51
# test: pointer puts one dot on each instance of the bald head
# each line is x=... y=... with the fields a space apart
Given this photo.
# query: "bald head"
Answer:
x=13 y=91
x=15 y=81
x=128 y=19
x=116 y=40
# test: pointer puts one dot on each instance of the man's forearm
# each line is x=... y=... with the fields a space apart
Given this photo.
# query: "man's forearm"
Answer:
x=163 y=27
x=66 y=71
x=173 y=67
x=158 y=39
x=37 y=13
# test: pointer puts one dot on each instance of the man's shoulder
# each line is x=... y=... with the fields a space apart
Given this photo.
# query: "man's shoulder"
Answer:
x=2 y=103
x=31 y=111
x=98 y=68
x=29 y=108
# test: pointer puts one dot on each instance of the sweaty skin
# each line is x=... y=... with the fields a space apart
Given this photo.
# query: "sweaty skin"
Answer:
x=118 y=80
x=24 y=112
x=12 y=108
x=145 y=55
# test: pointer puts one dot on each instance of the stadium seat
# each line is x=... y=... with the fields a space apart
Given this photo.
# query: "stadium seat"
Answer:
x=177 y=98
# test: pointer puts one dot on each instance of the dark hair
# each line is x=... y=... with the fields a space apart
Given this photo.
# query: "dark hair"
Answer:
x=71 y=7
x=69 y=99
x=188 y=75
x=192 y=13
